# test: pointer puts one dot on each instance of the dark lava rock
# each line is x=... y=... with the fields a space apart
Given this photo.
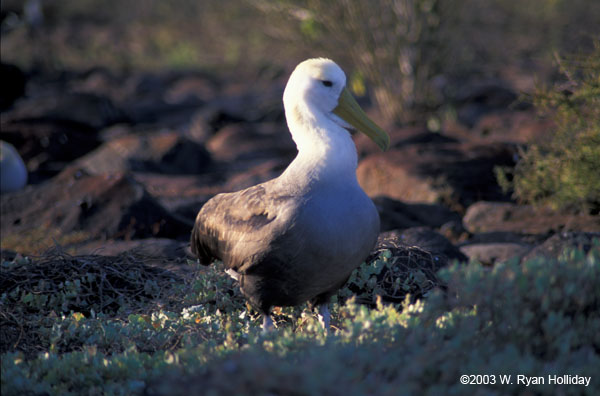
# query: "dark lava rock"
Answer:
x=80 y=108
x=47 y=146
x=189 y=87
x=525 y=219
x=97 y=80
x=256 y=174
x=455 y=174
x=481 y=97
x=77 y=207
x=198 y=127
x=399 y=137
x=54 y=126
x=557 y=243
x=262 y=102
x=493 y=247
x=162 y=152
x=13 y=85
x=174 y=86
x=396 y=214
x=494 y=252
x=245 y=141
x=506 y=237
x=519 y=127
x=180 y=194
x=167 y=99
x=159 y=112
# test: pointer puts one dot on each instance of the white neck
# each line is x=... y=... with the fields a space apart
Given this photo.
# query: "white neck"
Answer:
x=326 y=152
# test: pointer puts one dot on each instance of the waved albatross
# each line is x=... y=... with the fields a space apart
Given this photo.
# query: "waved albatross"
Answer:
x=298 y=237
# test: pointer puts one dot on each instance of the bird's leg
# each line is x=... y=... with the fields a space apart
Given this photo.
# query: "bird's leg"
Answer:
x=324 y=316
x=267 y=324
x=233 y=274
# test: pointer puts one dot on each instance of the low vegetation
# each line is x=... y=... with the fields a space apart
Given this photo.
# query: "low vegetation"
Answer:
x=562 y=170
x=163 y=335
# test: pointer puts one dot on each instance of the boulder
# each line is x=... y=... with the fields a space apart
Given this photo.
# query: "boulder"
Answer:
x=158 y=112
x=245 y=141
x=189 y=87
x=198 y=127
x=492 y=253
x=48 y=146
x=393 y=175
x=475 y=99
x=505 y=237
x=258 y=103
x=180 y=194
x=486 y=216
x=76 y=207
x=457 y=174
x=98 y=80
x=165 y=99
x=556 y=244
x=79 y=108
x=255 y=174
x=399 y=137
x=398 y=215
x=161 y=152
x=509 y=126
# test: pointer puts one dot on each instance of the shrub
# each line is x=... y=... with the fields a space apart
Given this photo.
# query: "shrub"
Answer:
x=391 y=44
x=562 y=170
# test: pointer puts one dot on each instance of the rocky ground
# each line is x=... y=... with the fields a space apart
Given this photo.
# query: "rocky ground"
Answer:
x=124 y=162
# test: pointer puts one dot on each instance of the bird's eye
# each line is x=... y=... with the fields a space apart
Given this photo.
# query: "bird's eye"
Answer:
x=327 y=83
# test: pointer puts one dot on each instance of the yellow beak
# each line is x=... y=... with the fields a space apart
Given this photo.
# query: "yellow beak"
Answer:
x=349 y=111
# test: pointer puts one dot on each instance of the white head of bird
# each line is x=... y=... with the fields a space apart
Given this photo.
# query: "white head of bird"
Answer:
x=319 y=110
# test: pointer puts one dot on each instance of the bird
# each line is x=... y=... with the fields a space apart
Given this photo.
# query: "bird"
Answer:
x=298 y=237
x=13 y=172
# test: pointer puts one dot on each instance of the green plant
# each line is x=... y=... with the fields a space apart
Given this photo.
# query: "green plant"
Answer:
x=562 y=170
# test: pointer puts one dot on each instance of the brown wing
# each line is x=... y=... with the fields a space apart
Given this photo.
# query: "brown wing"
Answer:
x=239 y=228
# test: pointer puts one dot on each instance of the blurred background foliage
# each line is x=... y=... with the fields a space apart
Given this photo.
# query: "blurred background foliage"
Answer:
x=563 y=170
x=404 y=53
x=411 y=57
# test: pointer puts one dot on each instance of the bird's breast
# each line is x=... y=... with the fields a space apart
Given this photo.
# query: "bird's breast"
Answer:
x=340 y=227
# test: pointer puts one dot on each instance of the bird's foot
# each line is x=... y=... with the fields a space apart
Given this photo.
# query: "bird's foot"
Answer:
x=324 y=317
x=233 y=274
x=267 y=324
